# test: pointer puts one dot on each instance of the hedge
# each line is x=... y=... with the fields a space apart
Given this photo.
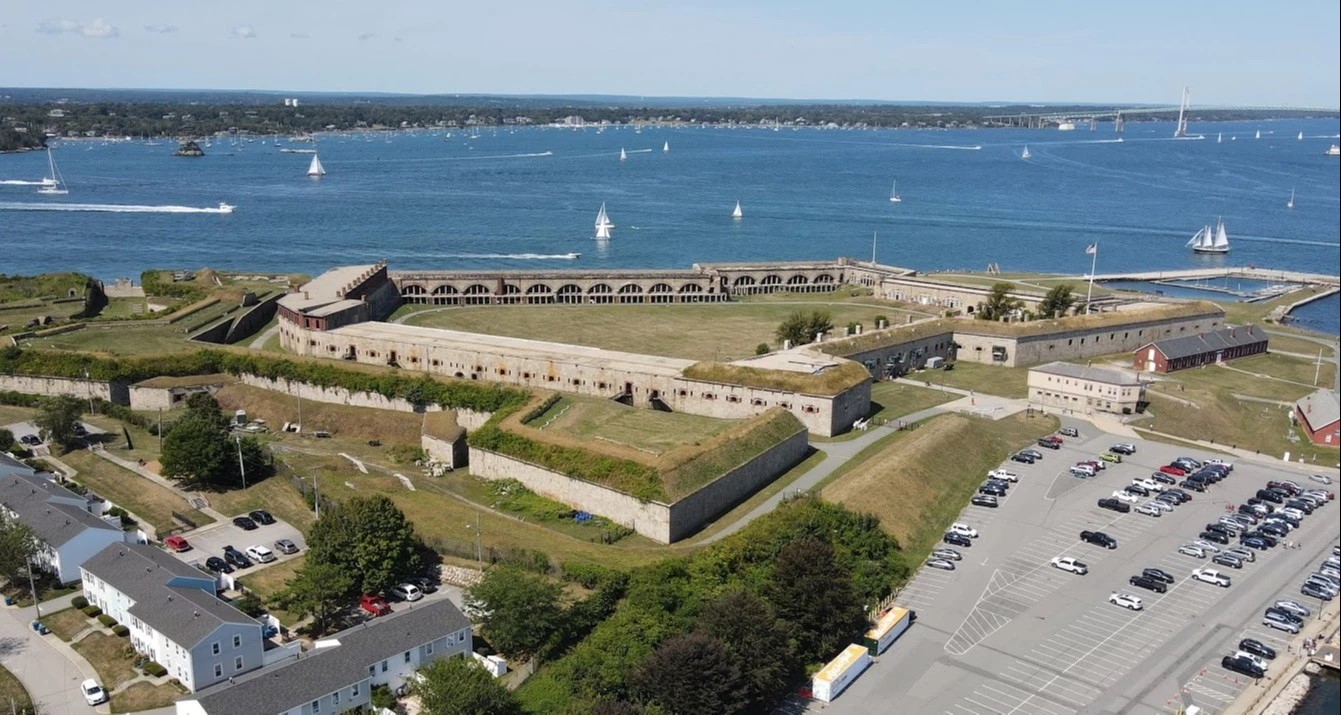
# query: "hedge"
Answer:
x=79 y=602
x=120 y=630
x=91 y=611
x=107 y=620
x=154 y=669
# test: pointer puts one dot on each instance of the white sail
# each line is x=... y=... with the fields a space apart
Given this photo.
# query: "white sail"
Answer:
x=894 y=193
x=1258 y=135
x=1221 y=238
x=315 y=168
x=1180 y=131
x=665 y=148
x=1290 y=204
x=1201 y=239
x=1025 y=154
x=53 y=183
x=1219 y=138
x=1301 y=136
x=737 y=213
x=603 y=223
x=622 y=154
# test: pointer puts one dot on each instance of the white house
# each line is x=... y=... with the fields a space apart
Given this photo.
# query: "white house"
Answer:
x=65 y=523
x=1085 y=388
x=173 y=614
x=338 y=674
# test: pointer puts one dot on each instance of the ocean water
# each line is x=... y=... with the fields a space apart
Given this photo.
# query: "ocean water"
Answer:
x=525 y=198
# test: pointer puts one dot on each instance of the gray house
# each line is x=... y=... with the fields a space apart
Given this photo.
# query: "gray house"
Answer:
x=173 y=614
x=338 y=674
x=64 y=523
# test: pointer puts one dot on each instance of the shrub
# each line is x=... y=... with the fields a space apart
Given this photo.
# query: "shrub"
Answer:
x=406 y=454
x=120 y=630
x=79 y=602
x=154 y=669
x=250 y=605
x=761 y=349
x=107 y=620
x=91 y=611
x=381 y=697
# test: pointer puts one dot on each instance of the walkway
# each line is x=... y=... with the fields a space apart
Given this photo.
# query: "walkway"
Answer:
x=47 y=666
x=261 y=339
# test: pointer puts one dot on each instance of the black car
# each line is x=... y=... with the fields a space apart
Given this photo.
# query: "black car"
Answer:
x=261 y=516
x=236 y=558
x=1269 y=495
x=1146 y=582
x=1032 y=453
x=1270 y=540
x=1098 y=538
x=1242 y=666
x=1214 y=536
x=984 y=500
x=957 y=539
x=1250 y=510
x=1216 y=526
x=1163 y=478
x=1293 y=522
x=1275 y=530
x=244 y=523
x=217 y=565
x=1122 y=449
x=1257 y=648
x=1254 y=542
x=1194 y=486
x=1137 y=489
x=1180 y=494
x=1158 y=574
x=1115 y=504
x=992 y=490
x=425 y=584
x=1304 y=506
x=1022 y=458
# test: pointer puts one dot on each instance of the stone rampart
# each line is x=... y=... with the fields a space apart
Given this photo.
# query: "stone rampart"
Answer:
x=114 y=392
x=470 y=419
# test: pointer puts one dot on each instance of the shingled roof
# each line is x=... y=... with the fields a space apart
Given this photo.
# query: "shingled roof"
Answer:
x=1112 y=376
x=1189 y=345
x=1319 y=408
x=341 y=663
x=55 y=514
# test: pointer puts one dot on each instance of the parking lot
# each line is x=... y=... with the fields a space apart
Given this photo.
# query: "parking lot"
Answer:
x=1005 y=632
x=22 y=430
x=210 y=540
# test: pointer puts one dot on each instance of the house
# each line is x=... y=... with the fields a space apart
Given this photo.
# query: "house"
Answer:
x=67 y=525
x=1319 y=413
x=1210 y=348
x=1085 y=388
x=339 y=673
x=173 y=614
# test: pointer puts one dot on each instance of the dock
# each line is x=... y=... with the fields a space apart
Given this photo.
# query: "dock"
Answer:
x=1193 y=274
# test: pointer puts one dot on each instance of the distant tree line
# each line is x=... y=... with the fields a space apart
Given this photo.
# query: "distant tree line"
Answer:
x=12 y=139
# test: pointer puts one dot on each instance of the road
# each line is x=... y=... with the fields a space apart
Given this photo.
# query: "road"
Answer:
x=1005 y=633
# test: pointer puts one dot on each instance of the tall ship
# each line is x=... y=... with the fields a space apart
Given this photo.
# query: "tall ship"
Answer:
x=1333 y=150
x=1210 y=239
x=53 y=183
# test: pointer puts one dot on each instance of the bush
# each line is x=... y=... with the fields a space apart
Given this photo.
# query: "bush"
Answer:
x=154 y=669
x=406 y=454
x=381 y=697
x=79 y=602
x=590 y=575
x=761 y=349
x=120 y=630
x=250 y=605
x=107 y=620
x=91 y=611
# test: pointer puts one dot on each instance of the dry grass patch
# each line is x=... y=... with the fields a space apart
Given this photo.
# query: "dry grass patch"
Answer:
x=646 y=433
x=12 y=691
x=918 y=483
x=145 y=696
x=831 y=381
x=1220 y=418
x=107 y=654
x=66 y=624
x=128 y=490
x=362 y=422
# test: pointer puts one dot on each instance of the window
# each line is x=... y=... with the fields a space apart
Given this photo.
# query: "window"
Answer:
x=214 y=648
x=354 y=691
x=237 y=663
x=384 y=666
x=407 y=656
x=218 y=670
x=372 y=670
x=335 y=698
x=237 y=641
x=316 y=706
x=430 y=647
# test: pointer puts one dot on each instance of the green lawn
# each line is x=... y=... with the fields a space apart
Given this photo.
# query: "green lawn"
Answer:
x=708 y=331
x=648 y=431
x=987 y=379
x=146 y=499
x=145 y=696
x=123 y=339
x=66 y=624
x=107 y=655
x=12 y=691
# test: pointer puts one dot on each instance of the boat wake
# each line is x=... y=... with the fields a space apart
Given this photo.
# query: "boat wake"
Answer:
x=516 y=256
x=959 y=147
x=639 y=151
x=115 y=208
x=22 y=182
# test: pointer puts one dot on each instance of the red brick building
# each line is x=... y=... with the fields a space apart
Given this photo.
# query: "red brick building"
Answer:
x=1188 y=351
x=1320 y=416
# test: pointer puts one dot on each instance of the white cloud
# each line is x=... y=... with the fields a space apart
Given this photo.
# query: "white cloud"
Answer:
x=57 y=25
x=367 y=36
x=99 y=28
x=244 y=32
x=161 y=29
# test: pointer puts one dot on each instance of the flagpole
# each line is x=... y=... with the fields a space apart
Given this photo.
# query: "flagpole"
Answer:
x=1093 y=262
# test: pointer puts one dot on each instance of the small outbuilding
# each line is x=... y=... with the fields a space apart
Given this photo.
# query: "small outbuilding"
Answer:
x=165 y=393
x=443 y=439
x=1218 y=346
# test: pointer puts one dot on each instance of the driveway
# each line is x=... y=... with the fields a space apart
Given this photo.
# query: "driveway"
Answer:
x=23 y=429
x=210 y=540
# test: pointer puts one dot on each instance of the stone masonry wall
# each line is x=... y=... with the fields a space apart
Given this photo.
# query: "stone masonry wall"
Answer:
x=470 y=419
x=114 y=392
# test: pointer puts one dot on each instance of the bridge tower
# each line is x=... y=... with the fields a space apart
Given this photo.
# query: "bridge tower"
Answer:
x=1118 y=124
x=1094 y=124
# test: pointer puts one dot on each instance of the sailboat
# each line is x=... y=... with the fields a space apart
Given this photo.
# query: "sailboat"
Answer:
x=1333 y=150
x=1300 y=137
x=894 y=197
x=54 y=184
x=1290 y=204
x=665 y=148
x=603 y=223
x=1180 y=131
x=622 y=154
x=1025 y=154
x=1220 y=138
x=1258 y=135
x=1210 y=240
x=737 y=213
x=315 y=169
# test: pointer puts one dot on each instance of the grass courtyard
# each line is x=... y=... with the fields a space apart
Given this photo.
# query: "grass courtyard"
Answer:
x=701 y=331
x=648 y=431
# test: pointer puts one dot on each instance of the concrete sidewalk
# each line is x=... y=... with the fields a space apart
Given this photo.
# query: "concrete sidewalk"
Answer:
x=48 y=667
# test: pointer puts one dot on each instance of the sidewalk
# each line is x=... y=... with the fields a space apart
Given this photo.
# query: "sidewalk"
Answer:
x=47 y=666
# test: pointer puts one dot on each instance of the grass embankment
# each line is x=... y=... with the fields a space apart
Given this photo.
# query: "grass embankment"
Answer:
x=918 y=481
x=829 y=382
x=67 y=624
x=146 y=499
x=648 y=433
x=693 y=331
x=120 y=340
x=987 y=379
x=387 y=426
x=12 y=691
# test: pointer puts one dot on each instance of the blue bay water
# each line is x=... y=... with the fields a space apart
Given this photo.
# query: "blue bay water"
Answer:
x=421 y=200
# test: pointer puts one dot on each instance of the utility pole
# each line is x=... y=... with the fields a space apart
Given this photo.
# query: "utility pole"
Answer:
x=300 y=411
x=316 y=496
x=89 y=384
x=1317 y=368
x=37 y=605
x=240 y=466
x=160 y=433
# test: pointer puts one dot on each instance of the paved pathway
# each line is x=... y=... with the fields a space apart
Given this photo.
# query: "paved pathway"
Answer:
x=261 y=339
x=47 y=666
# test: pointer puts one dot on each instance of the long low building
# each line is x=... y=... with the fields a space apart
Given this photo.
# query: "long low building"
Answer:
x=1085 y=388
x=1209 y=347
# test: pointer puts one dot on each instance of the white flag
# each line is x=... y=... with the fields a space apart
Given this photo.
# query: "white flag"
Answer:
x=1091 y=249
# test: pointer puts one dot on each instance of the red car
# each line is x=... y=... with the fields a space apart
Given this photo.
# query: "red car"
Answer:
x=1175 y=471
x=374 y=605
x=177 y=543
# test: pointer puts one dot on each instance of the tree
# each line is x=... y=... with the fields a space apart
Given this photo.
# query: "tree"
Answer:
x=1057 y=302
x=318 y=590
x=17 y=546
x=814 y=595
x=6 y=440
x=368 y=538
x=753 y=635
x=459 y=686
x=518 y=611
x=801 y=327
x=691 y=674
x=617 y=707
x=200 y=450
x=999 y=303
x=58 y=418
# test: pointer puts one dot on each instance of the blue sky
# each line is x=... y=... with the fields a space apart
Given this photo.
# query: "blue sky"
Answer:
x=1229 y=52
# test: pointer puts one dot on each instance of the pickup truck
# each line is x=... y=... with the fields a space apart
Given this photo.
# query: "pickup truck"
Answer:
x=374 y=605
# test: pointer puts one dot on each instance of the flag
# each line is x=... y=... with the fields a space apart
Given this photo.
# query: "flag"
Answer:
x=1091 y=249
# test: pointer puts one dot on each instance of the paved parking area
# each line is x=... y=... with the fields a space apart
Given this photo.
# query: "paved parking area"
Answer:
x=23 y=429
x=1007 y=633
x=210 y=540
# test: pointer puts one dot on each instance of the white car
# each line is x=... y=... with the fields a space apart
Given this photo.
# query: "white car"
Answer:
x=1126 y=496
x=260 y=554
x=1192 y=550
x=407 y=592
x=1221 y=462
x=1206 y=546
x=1257 y=660
x=1293 y=512
x=94 y=694
x=964 y=530
x=1148 y=484
x=1067 y=563
x=1005 y=474
x=1148 y=510
x=1162 y=506
x=1211 y=576
x=1126 y=600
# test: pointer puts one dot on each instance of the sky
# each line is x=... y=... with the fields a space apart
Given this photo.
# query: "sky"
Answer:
x=1140 y=51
